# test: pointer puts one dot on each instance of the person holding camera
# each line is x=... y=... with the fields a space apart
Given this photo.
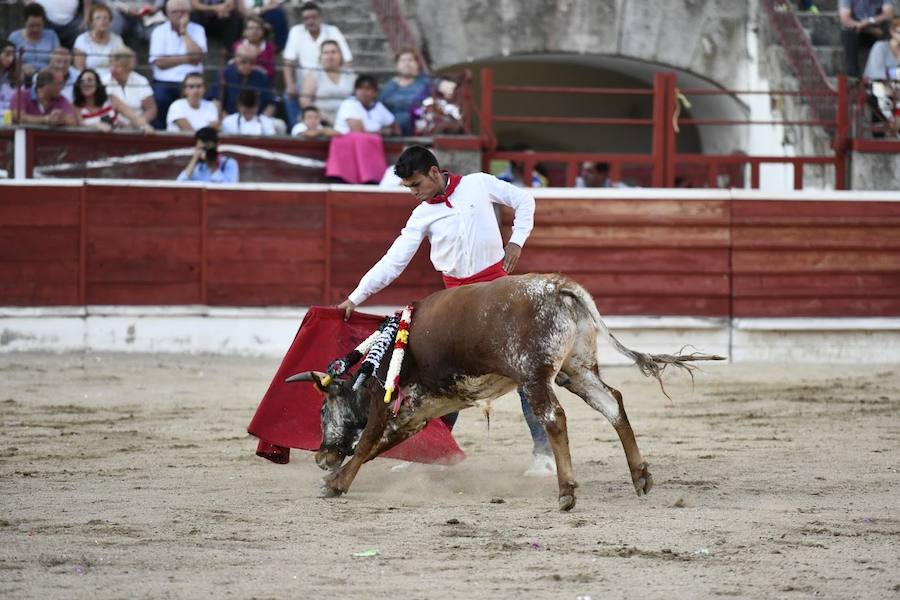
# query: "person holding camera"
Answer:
x=206 y=163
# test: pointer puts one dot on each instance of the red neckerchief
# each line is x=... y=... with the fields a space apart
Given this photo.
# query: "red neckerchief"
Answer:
x=452 y=181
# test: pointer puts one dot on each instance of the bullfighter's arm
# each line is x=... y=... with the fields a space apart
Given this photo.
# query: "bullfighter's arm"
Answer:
x=392 y=264
x=519 y=200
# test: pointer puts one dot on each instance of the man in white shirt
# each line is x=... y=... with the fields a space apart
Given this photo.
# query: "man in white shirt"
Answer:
x=130 y=87
x=302 y=51
x=247 y=120
x=363 y=111
x=457 y=216
x=176 y=50
x=192 y=112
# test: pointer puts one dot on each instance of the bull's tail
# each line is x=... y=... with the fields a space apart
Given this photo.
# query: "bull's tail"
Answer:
x=651 y=365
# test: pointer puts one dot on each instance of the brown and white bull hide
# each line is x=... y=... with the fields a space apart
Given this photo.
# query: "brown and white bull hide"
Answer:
x=477 y=342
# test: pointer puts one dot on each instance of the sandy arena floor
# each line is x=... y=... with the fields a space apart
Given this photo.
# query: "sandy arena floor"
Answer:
x=130 y=476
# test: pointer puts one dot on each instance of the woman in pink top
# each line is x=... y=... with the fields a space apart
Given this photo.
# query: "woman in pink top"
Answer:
x=256 y=33
x=100 y=110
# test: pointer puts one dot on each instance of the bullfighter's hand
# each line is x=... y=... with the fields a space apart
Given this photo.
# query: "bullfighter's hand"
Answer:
x=511 y=257
x=348 y=307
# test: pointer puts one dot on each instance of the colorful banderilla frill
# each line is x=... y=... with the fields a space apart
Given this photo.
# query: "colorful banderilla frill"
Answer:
x=339 y=366
x=392 y=381
x=376 y=352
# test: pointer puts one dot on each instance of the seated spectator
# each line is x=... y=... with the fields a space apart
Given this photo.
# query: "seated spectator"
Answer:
x=247 y=120
x=885 y=55
x=439 y=112
x=206 y=163
x=406 y=90
x=271 y=12
x=64 y=18
x=256 y=34
x=43 y=104
x=863 y=22
x=515 y=171
x=596 y=175
x=220 y=18
x=192 y=112
x=176 y=49
x=130 y=87
x=99 y=110
x=311 y=125
x=242 y=73
x=134 y=20
x=93 y=47
x=362 y=112
x=61 y=60
x=36 y=39
x=9 y=80
x=303 y=50
x=329 y=86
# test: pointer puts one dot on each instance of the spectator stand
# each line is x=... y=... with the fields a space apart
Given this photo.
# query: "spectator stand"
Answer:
x=664 y=165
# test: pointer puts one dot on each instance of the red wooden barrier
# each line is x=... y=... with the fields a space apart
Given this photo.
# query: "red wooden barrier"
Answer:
x=99 y=244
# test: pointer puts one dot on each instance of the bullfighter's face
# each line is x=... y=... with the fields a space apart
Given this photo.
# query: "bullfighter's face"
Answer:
x=426 y=185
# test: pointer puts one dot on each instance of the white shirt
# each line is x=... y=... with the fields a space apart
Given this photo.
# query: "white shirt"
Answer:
x=97 y=55
x=236 y=124
x=464 y=239
x=374 y=119
x=165 y=42
x=198 y=117
x=133 y=93
x=302 y=49
x=60 y=12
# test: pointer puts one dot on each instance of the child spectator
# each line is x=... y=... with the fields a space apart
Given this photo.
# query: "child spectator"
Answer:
x=36 y=39
x=303 y=50
x=43 y=104
x=206 y=163
x=192 y=112
x=99 y=110
x=329 y=86
x=8 y=75
x=271 y=12
x=247 y=120
x=362 y=112
x=311 y=125
x=256 y=34
x=93 y=47
x=130 y=87
x=406 y=89
x=176 y=49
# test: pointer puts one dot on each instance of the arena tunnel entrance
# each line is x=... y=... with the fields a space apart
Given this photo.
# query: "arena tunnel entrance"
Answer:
x=599 y=71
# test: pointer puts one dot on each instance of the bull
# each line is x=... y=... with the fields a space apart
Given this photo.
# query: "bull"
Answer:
x=475 y=343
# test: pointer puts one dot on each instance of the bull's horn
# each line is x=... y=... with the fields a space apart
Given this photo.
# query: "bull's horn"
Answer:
x=317 y=377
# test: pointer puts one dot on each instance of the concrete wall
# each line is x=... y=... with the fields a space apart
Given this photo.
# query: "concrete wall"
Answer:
x=870 y=171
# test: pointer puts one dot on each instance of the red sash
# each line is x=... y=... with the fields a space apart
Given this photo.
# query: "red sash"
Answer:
x=493 y=272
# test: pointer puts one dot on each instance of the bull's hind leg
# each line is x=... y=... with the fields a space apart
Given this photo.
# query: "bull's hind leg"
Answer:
x=549 y=412
x=608 y=401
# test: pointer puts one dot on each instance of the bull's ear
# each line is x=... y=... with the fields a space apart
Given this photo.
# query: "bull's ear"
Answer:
x=321 y=380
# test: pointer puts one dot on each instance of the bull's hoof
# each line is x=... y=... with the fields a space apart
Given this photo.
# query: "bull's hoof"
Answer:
x=330 y=492
x=566 y=502
x=643 y=480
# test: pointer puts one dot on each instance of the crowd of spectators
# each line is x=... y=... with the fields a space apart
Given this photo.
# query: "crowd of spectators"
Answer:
x=78 y=59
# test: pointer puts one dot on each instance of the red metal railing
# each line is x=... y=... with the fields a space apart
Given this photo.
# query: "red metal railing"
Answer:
x=393 y=23
x=807 y=69
x=666 y=166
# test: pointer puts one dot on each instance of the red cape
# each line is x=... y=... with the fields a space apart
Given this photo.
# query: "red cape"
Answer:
x=288 y=414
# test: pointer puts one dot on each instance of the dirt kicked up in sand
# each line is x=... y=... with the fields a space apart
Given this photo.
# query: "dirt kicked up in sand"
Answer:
x=130 y=476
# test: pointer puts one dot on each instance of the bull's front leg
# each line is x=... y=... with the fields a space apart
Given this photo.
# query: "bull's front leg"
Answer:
x=339 y=482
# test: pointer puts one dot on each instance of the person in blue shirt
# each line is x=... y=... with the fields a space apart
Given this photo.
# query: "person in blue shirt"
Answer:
x=406 y=90
x=206 y=164
x=36 y=39
x=242 y=73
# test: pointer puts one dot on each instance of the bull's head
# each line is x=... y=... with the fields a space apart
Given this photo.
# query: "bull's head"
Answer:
x=344 y=416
